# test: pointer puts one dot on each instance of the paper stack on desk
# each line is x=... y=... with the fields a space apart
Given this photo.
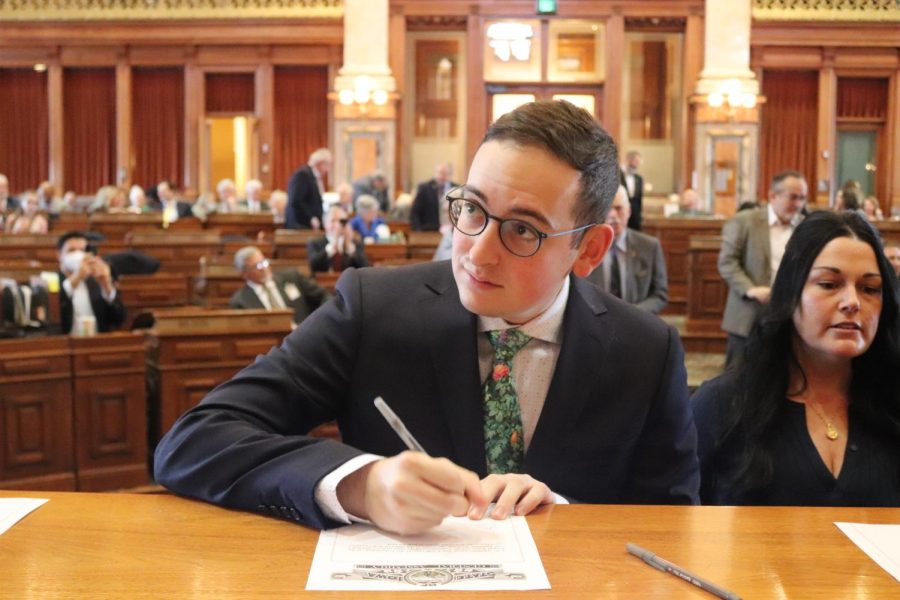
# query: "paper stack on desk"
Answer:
x=880 y=542
x=460 y=554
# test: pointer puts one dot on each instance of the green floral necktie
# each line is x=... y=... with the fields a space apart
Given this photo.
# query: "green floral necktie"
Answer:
x=504 y=442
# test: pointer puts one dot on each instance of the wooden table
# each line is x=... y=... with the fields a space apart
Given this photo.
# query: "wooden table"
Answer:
x=134 y=546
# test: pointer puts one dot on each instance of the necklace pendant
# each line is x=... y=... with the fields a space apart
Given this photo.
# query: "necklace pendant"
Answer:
x=831 y=433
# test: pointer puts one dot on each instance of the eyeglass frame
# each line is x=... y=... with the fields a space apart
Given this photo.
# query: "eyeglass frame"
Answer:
x=262 y=265
x=541 y=236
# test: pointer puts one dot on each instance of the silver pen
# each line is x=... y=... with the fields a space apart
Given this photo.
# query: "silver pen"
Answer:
x=664 y=565
x=397 y=425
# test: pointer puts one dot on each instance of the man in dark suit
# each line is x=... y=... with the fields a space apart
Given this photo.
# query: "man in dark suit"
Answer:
x=635 y=268
x=376 y=185
x=305 y=189
x=87 y=288
x=585 y=396
x=428 y=206
x=634 y=184
x=337 y=250
x=265 y=290
x=171 y=207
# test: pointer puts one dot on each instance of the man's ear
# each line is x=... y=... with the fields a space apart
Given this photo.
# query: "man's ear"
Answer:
x=593 y=248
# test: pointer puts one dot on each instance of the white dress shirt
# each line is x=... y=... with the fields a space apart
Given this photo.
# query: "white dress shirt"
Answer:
x=779 y=234
x=532 y=371
x=81 y=299
x=260 y=292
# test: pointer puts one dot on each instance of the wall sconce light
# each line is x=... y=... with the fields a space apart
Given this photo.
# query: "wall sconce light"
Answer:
x=363 y=93
x=510 y=40
x=730 y=93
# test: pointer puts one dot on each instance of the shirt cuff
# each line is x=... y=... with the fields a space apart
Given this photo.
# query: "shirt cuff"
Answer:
x=329 y=249
x=557 y=499
x=111 y=297
x=67 y=287
x=326 y=489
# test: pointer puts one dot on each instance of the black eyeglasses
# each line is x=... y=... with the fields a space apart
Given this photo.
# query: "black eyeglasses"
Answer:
x=262 y=265
x=520 y=238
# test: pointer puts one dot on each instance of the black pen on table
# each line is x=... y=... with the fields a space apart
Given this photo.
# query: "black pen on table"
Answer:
x=663 y=565
x=397 y=425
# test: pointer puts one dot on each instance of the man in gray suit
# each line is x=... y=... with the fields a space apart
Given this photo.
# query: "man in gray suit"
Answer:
x=284 y=289
x=634 y=269
x=753 y=243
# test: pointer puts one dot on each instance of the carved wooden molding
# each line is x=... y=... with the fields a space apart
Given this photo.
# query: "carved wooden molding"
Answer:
x=826 y=10
x=142 y=10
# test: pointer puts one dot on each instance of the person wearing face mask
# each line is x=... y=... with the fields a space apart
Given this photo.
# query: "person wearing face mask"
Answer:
x=87 y=288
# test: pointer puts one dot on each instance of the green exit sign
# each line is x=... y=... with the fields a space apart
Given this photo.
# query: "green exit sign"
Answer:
x=546 y=7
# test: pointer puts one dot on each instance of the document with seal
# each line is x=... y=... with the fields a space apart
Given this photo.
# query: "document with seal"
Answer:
x=459 y=554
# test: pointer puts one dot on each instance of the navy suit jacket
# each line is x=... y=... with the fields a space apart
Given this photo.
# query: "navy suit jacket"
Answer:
x=425 y=212
x=616 y=426
x=304 y=199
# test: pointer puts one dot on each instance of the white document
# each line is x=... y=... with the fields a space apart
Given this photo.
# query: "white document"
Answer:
x=459 y=554
x=880 y=542
x=12 y=510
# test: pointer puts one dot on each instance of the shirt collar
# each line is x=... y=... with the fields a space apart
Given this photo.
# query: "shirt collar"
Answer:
x=622 y=241
x=775 y=221
x=547 y=326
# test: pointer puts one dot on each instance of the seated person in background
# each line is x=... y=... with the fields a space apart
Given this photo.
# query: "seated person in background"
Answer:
x=23 y=307
x=892 y=251
x=253 y=202
x=690 y=206
x=811 y=415
x=137 y=200
x=402 y=208
x=344 y=193
x=366 y=223
x=337 y=250
x=172 y=208
x=68 y=203
x=284 y=289
x=872 y=208
x=277 y=204
x=601 y=413
x=87 y=288
x=375 y=185
x=46 y=194
x=109 y=199
x=27 y=219
x=634 y=268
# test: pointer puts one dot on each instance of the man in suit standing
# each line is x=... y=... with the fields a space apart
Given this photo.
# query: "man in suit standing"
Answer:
x=87 y=287
x=634 y=184
x=634 y=269
x=376 y=185
x=337 y=250
x=753 y=243
x=305 y=189
x=284 y=289
x=428 y=210
x=525 y=384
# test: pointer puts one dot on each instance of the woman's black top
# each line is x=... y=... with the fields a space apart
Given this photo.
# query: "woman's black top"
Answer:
x=869 y=476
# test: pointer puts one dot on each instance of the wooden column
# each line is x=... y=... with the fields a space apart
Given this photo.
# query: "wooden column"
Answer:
x=56 y=169
x=124 y=161
x=612 y=88
x=891 y=168
x=693 y=64
x=397 y=64
x=476 y=95
x=265 y=112
x=823 y=188
x=194 y=108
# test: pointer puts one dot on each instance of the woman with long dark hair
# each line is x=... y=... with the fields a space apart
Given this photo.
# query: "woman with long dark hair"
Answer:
x=811 y=415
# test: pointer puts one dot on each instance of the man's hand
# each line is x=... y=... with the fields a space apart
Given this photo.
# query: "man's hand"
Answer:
x=514 y=494
x=411 y=492
x=99 y=270
x=315 y=223
x=759 y=293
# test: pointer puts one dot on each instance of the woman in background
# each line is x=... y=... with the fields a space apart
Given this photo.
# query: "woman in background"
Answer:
x=811 y=415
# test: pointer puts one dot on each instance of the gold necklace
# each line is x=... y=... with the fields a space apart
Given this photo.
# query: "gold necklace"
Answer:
x=831 y=431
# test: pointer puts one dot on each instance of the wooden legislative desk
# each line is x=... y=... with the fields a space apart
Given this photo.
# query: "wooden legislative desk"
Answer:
x=194 y=350
x=72 y=412
x=161 y=546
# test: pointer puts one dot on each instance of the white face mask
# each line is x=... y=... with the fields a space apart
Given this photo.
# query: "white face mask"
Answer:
x=71 y=261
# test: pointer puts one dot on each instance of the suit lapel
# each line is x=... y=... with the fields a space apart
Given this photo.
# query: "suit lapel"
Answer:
x=451 y=330
x=249 y=298
x=583 y=352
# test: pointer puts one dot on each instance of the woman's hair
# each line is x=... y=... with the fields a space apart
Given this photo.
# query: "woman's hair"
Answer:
x=763 y=373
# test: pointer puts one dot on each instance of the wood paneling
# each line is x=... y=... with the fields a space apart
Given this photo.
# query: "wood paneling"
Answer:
x=36 y=414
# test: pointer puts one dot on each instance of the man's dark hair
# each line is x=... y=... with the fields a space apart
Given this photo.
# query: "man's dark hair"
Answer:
x=70 y=235
x=851 y=200
x=763 y=373
x=573 y=136
x=781 y=176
